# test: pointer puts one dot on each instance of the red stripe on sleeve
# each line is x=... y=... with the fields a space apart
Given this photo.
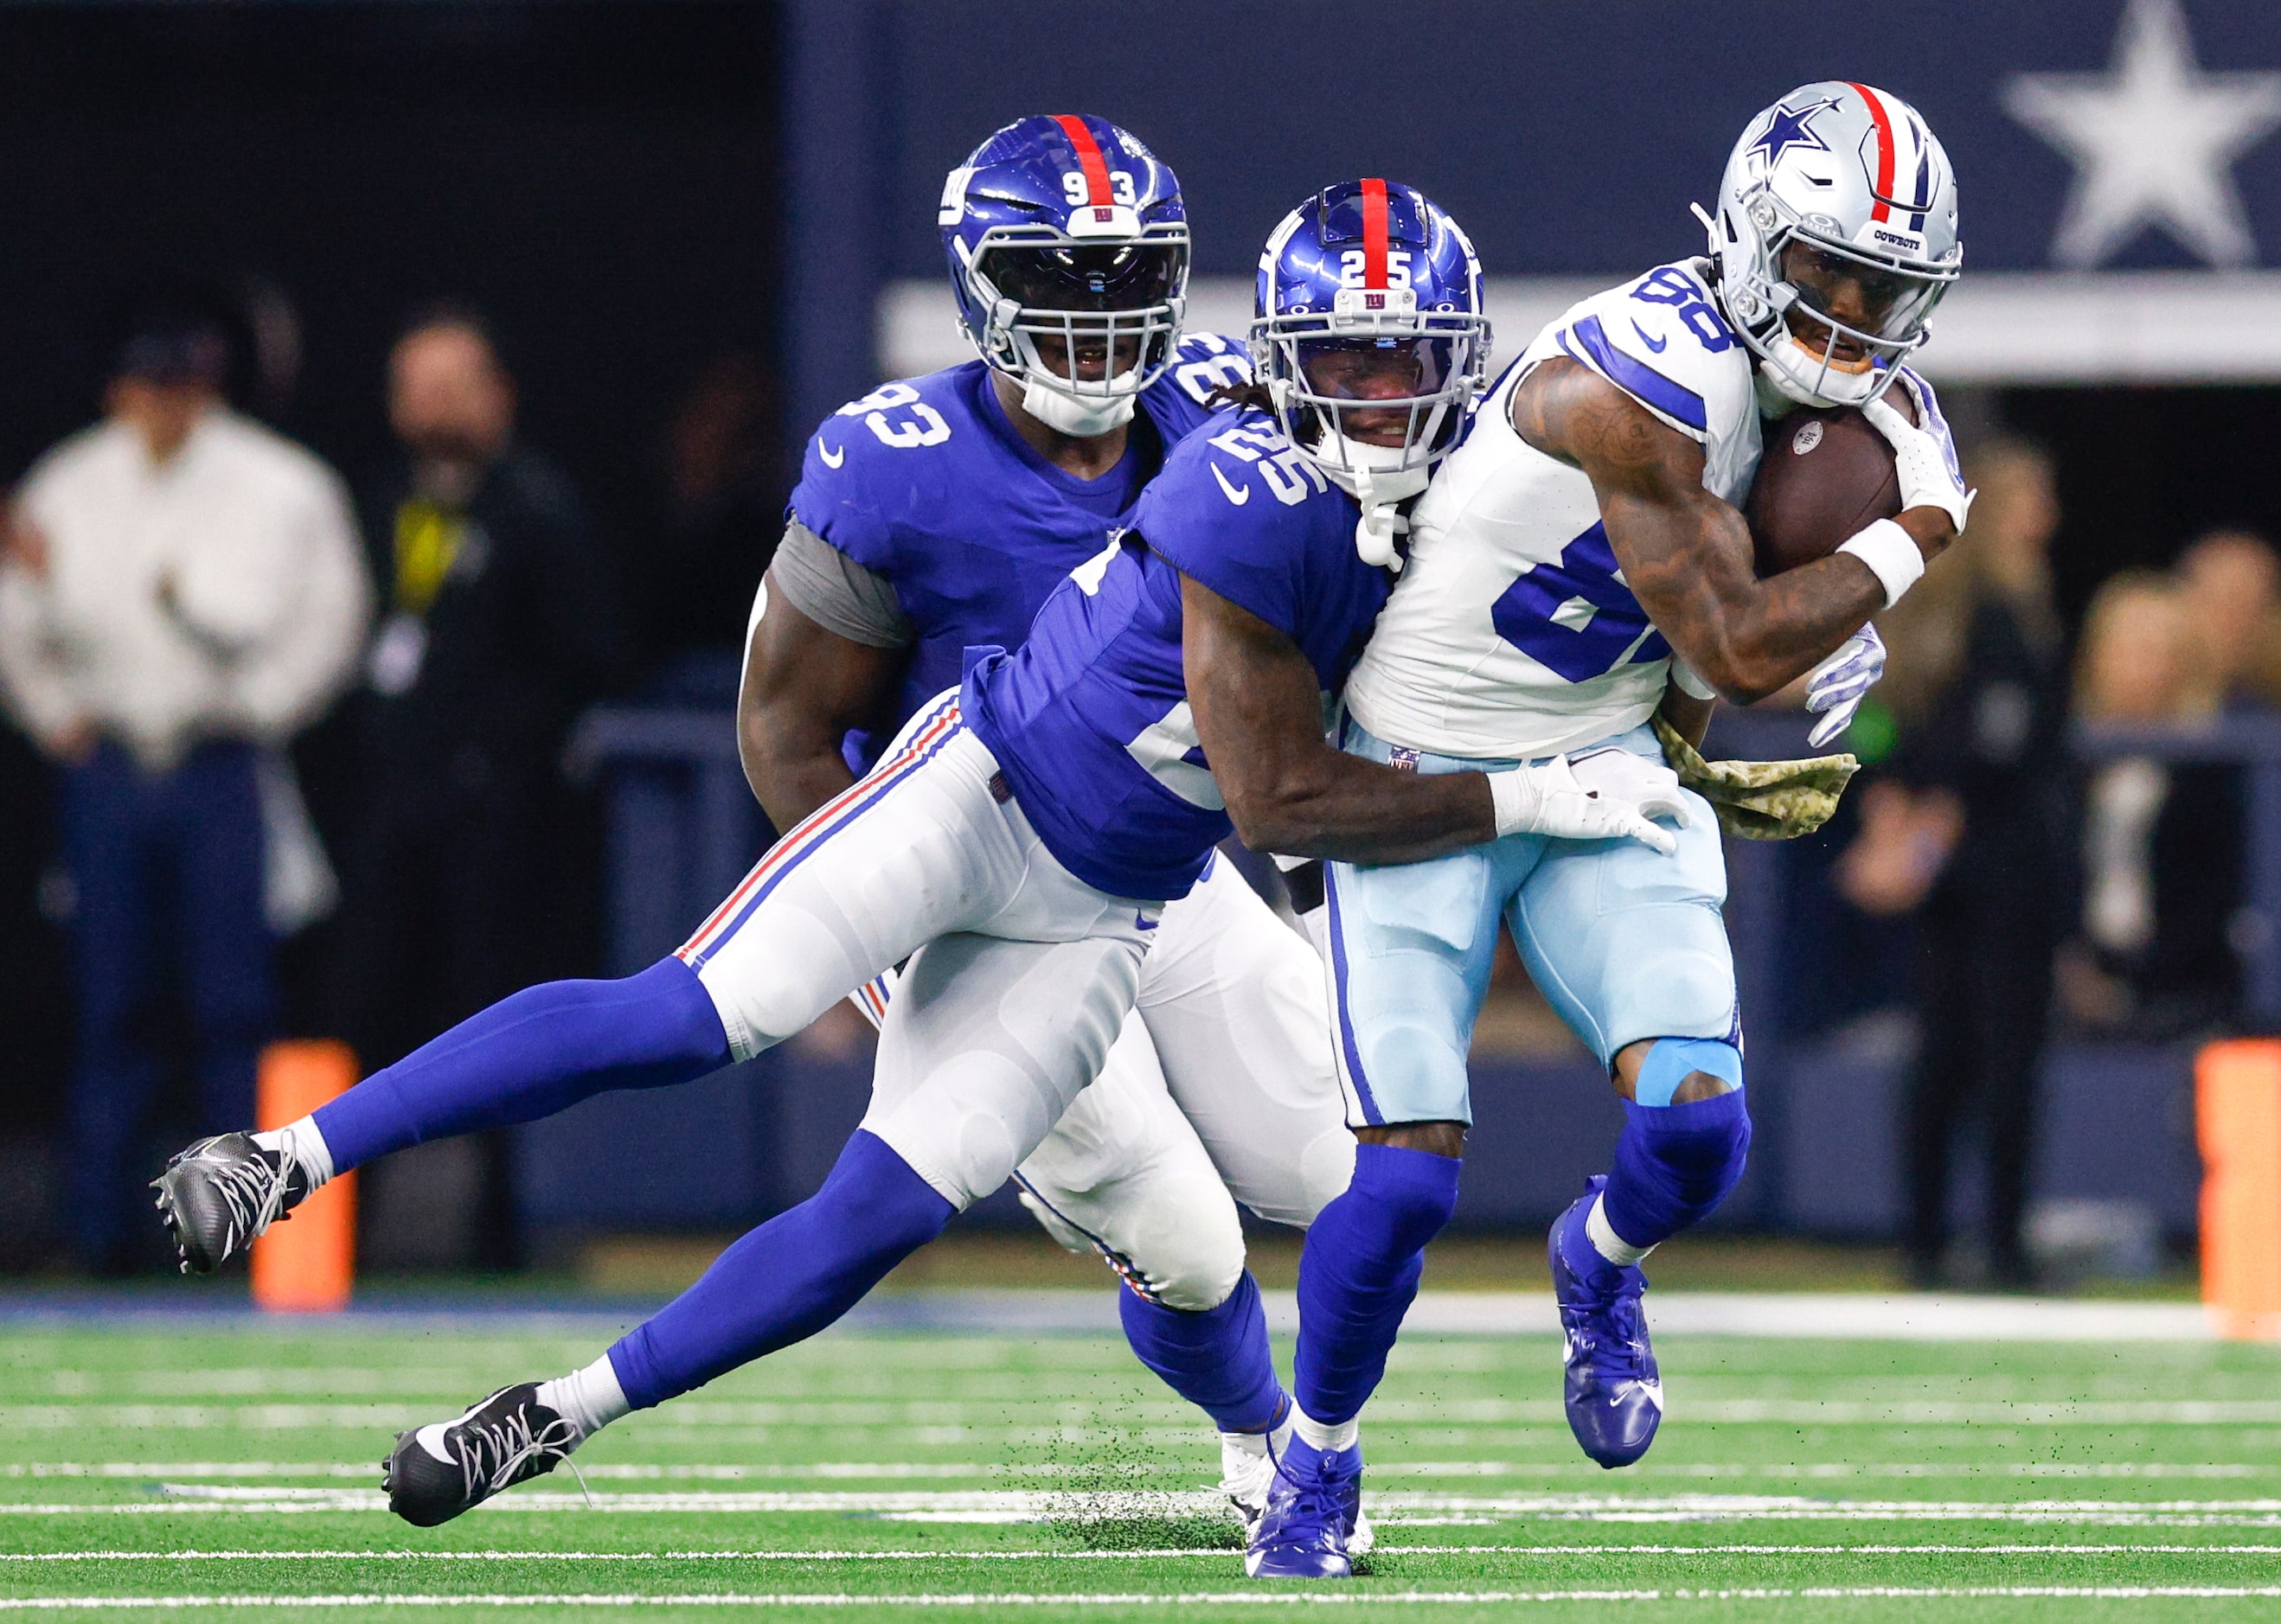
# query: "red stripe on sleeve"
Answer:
x=1373 y=234
x=1884 y=188
x=1090 y=160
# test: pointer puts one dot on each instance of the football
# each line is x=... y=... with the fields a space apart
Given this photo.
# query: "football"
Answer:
x=1824 y=474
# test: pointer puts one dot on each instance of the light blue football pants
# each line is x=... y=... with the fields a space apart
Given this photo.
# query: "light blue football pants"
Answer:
x=1625 y=942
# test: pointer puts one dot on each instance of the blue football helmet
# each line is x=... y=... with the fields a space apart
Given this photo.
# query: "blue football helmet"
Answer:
x=1069 y=257
x=1368 y=321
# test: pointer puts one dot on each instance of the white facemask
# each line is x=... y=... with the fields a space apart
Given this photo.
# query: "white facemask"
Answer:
x=1082 y=416
x=1797 y=373
x=1373 y=475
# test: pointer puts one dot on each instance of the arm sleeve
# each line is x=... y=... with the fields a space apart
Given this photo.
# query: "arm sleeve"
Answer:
x=843 y=597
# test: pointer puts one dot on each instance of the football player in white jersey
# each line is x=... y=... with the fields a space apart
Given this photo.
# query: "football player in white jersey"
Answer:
x=1582 y=550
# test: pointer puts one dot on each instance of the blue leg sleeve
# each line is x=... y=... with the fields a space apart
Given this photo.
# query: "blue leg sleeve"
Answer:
x=1359 y=1271
x=529 y=1055
x=1673 y=1165
x=788 y=1279
x=1217 y=1361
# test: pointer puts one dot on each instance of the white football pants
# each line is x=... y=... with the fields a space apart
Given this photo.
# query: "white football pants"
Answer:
x=1019 y=976
x=1220 y=1077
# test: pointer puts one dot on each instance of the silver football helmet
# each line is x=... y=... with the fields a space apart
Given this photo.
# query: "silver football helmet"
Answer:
x=1835 y=237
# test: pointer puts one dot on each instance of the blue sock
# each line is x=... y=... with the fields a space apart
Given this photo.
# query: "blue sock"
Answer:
x=1359 y=1270
x=788 y=1279
x=1674 y=1163
x=1217 y=1361
x=529 y=1055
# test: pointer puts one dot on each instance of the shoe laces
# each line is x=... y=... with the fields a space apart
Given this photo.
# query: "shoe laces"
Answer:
x=1317 y=1496
x=493 y=1455
x=253 y=1192
x=1610 y=1335
x=1247 y=1485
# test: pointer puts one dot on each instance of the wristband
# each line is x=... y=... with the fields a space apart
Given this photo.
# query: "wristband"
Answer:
x=1892 y=556
x=1514 y=798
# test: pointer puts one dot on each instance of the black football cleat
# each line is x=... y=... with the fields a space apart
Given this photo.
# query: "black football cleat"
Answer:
x=438 y=1471
x=220 y=1195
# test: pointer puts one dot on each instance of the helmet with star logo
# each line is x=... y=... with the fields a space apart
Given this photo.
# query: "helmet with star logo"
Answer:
x=1835 y=236
x=1069 y=258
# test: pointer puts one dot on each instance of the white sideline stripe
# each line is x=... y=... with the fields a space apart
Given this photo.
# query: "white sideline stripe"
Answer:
x=177 y=1470
x=992 y=1415
x=1392 y=1507
x=2057 y=1549
x=1146 y=1598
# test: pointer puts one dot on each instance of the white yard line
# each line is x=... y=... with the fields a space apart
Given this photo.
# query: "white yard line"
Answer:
x=1144 y=1598
x=1392 y=1507
x=920 y=1470
x=987 y=1416
x=2053 y=1550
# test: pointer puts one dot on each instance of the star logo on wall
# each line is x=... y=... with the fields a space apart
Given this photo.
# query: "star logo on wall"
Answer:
x=2154 y=141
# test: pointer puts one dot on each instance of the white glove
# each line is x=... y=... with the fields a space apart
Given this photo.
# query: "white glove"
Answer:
x=1614 y=803
x=1835 y=687
x=1924 y=453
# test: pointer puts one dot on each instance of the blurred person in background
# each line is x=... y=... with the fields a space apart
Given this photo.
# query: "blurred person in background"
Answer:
x=725 y=488
x=2231 y=584
x=499 y=621
x=1971 y=828
x=181 y=591
x=2162 y=840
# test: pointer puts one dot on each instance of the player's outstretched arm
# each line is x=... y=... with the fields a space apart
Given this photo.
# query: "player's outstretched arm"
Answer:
x=1686 y=555
x=1259 y=718
x=804 y=688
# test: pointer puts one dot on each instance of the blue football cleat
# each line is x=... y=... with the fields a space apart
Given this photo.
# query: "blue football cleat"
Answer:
x=1313 y=1501
x=1614 y=1393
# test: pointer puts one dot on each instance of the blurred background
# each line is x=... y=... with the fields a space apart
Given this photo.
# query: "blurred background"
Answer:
x=516 y=316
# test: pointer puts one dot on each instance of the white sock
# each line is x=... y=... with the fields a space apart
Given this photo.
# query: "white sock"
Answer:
x=589 y=1399
x=1605 y=1241
x=307 y=1148
x=1345 y=1436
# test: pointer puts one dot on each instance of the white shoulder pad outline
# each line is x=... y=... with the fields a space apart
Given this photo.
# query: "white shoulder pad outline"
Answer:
x=1661 y=340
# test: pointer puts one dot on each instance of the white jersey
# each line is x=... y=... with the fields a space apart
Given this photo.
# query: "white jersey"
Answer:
x=1511 y=633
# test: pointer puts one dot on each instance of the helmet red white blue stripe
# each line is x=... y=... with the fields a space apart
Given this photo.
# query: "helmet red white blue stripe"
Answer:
x=1067 y=247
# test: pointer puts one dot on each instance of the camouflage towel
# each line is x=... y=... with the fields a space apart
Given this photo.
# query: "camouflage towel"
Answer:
x=1760 y=800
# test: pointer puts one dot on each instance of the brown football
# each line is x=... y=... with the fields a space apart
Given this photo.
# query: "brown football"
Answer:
x=1824 y=474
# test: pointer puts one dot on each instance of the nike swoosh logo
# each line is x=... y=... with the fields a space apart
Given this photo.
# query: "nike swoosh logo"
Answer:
x=832 y=459
x=1238 y=496
x=1142 y=921
x=1656 y=345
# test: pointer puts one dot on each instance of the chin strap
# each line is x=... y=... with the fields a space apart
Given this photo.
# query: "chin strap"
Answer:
x=1382 y=523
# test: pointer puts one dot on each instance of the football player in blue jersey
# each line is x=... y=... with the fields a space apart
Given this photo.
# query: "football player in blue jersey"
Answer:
x=935 y=515
x=1015 y=849
x=1582 y=550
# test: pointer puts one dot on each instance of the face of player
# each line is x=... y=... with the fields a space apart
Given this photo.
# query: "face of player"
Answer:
x=1374 y=369
x=1864 y=297
x=1092 y=353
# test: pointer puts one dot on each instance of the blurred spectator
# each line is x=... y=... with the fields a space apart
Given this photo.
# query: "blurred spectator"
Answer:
x=725 y=513
x=1971 y=828
x=2231 y=584
x=499 y=621
x=182 y=590
x=2162 y=842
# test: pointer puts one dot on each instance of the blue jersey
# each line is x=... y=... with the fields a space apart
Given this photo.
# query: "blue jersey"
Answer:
x=928 y=483
x=1089 y=720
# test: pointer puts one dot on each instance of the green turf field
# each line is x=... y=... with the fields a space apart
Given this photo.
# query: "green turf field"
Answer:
x=153 y=1466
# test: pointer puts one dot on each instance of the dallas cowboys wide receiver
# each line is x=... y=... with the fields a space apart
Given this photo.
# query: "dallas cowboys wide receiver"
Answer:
x=1582 y=546
x=1016 y=844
